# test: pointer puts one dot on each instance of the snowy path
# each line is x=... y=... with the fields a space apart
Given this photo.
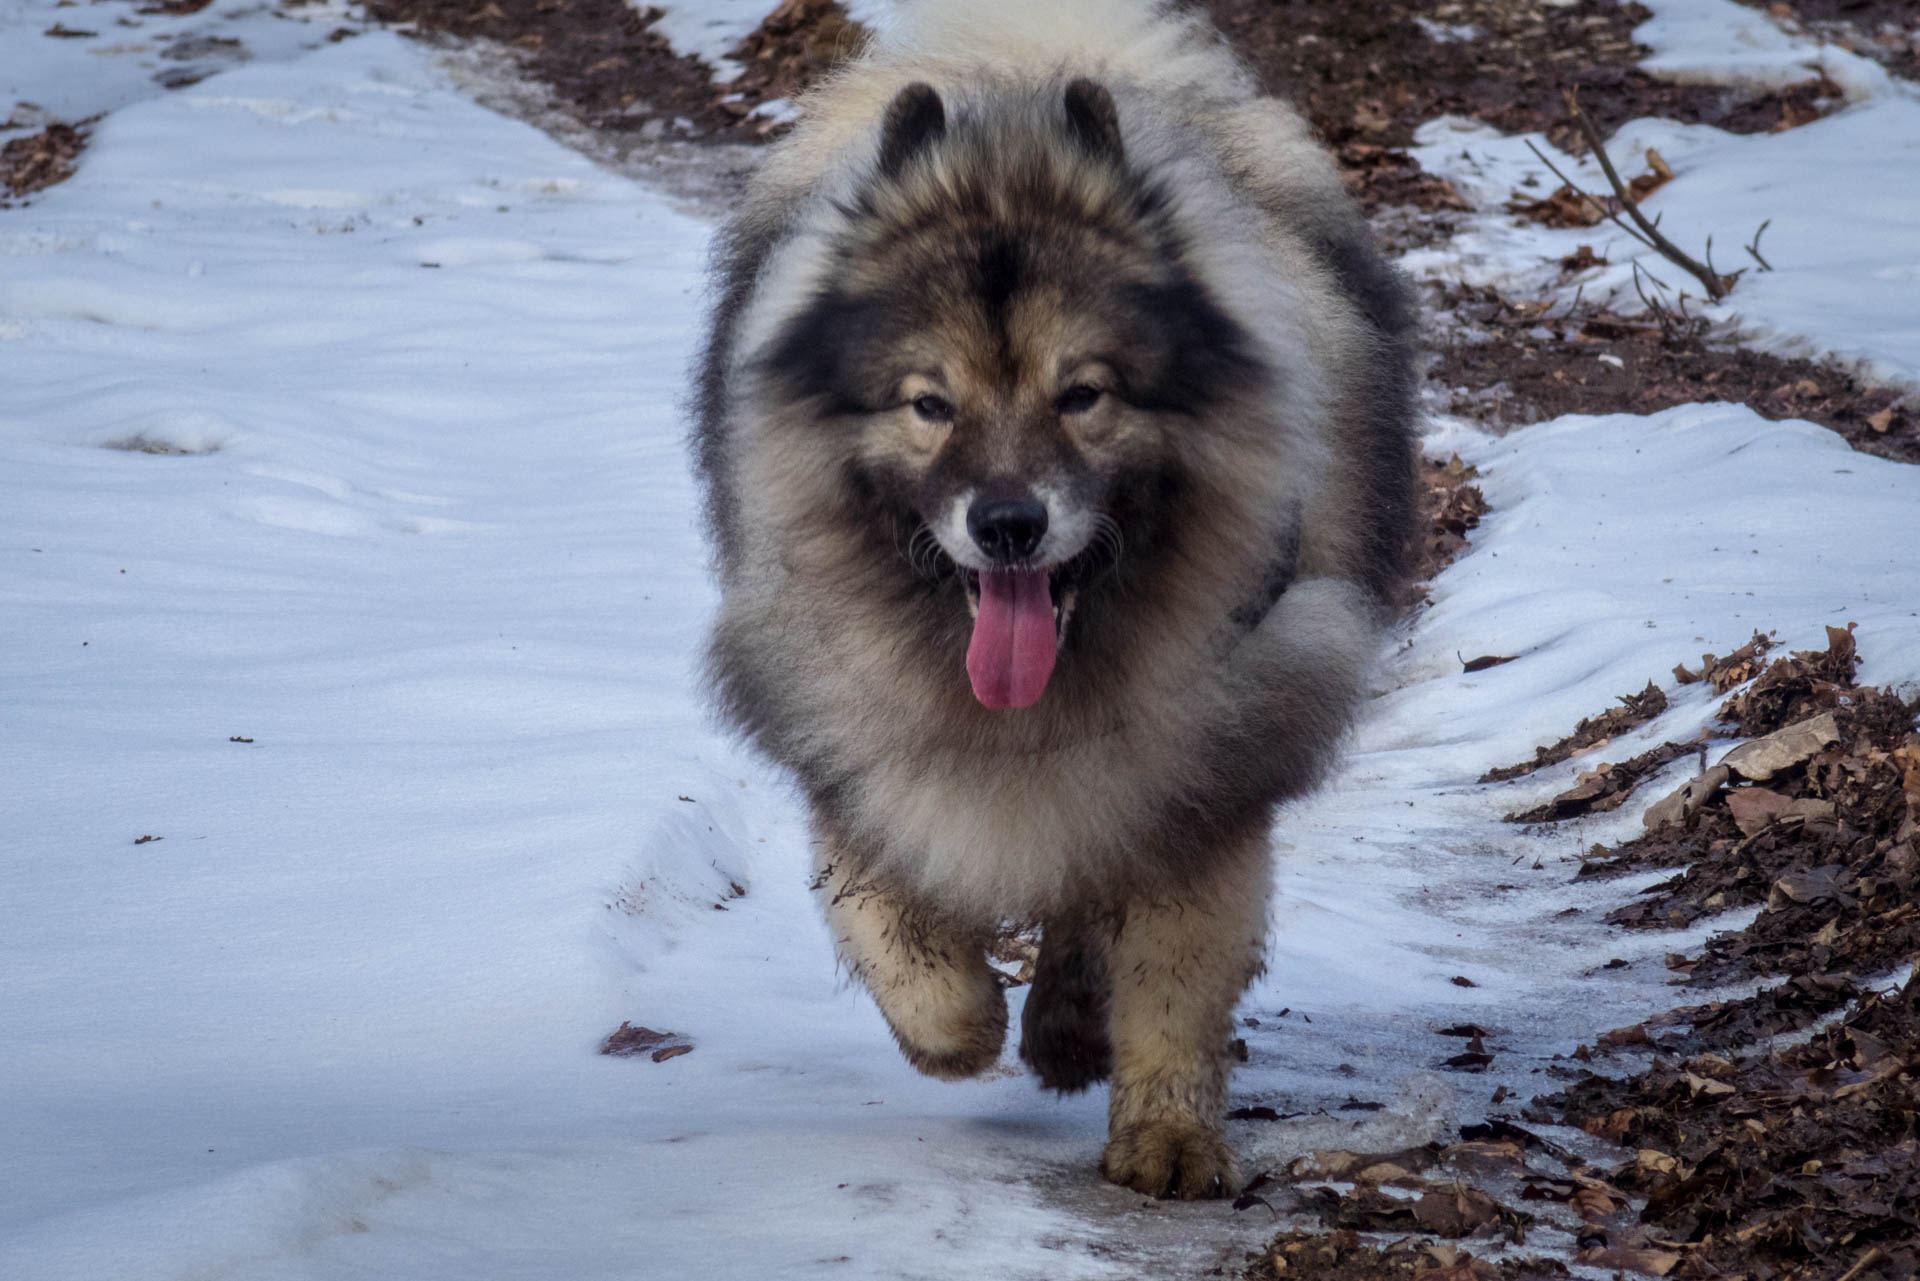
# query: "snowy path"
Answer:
x=432 y=548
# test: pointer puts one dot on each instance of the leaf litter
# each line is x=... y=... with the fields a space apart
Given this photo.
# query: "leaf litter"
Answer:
x=628 y=1041
x=37 y=161
x=1757 y=1157
x=1739 y=1154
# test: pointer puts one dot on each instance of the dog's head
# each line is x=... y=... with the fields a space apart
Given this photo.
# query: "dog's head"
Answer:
x=1010 y=356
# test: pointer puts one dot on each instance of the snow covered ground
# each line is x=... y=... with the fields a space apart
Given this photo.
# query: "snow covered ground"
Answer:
x=341 y=417
x=1838 y=196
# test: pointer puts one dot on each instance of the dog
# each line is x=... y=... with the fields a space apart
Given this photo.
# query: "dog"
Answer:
x=1055 y=426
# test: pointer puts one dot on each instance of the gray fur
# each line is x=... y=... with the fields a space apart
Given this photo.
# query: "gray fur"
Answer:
x=974 y=205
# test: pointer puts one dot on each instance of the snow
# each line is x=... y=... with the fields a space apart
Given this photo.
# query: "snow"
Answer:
x=710 y=29
x=430 y=543
x=126 y=55
x=1723 y=42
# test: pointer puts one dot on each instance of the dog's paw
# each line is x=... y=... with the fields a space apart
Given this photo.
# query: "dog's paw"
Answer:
x=954 y=1044
x=1171 y=1159
x=1063 y=1034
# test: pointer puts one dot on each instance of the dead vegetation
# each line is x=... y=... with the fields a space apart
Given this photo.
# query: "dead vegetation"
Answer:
x=1799 y=1159
x=1508 y=363
x=1451 y=505
x=1744 y=1155
x=1343 y=1256
x=1627 y=198
x=628 y=1041
x=37 y=161
x=799 y=42
x=1591 y=733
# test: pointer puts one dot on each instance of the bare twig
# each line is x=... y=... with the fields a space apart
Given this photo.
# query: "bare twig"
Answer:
x=1753 y=247
x=1717 y=285
x=1867 y=1260
x=1675 y=324
x=1655 y=307
x=1574 y=306
x=1609 y=214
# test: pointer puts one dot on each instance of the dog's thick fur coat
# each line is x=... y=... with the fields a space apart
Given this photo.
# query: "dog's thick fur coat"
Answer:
x=1061 y=260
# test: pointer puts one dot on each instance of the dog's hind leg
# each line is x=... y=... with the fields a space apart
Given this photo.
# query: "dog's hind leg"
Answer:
x=1180 y=961
x=1063 y=1030
x=928 y=974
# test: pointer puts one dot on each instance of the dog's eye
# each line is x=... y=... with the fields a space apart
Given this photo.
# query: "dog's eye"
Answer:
x=1078 y=399
x=933 y=408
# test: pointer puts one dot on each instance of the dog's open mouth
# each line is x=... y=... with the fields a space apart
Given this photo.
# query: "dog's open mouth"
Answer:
x=1020 y=617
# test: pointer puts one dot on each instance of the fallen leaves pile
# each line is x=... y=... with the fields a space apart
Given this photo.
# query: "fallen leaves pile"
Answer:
x=1594 y=731
x=1742 y=1155
x=1450 y=505
x=1431 y=1198
x=796 y=45
x=1342 y=1256
x=39 y=160
x=1803 y=1159
x=1813 y=817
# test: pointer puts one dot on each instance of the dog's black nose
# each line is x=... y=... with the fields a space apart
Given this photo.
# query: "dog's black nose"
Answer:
x=1007 y=529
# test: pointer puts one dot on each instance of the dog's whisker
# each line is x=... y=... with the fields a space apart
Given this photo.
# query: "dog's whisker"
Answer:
x=924 y=553
x=1107 y=534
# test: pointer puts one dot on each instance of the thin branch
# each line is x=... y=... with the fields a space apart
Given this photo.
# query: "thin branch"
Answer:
x=1610 y=215
x=1574 y=306
x=1867 y=1260
x=1754 y=247
x=1716 y=284
x=1654 y=307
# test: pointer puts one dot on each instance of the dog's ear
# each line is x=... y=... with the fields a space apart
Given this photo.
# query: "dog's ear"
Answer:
x=1093 y=120
x=915 y=119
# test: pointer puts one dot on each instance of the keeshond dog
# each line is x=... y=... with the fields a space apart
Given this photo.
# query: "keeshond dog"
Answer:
x=1055 y=425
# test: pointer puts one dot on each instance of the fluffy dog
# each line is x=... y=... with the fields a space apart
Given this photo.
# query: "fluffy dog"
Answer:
x=1055 y=424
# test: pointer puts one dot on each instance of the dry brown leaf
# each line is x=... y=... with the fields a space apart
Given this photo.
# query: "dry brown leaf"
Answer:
x=1754 y=808
x=1653 y=1161
x=1698 y=1086
x=1566 y=207
x=1762 y=758
x=1686 y=800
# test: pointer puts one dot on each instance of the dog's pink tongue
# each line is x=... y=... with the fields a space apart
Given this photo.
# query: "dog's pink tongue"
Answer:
x=1011 y=654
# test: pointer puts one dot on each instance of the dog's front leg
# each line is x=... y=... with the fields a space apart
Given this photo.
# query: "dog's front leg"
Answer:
x=1179 y=963
x=928 y=973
